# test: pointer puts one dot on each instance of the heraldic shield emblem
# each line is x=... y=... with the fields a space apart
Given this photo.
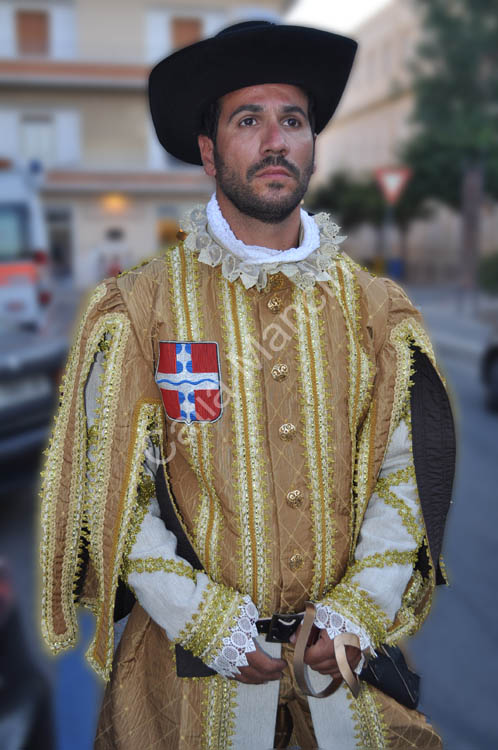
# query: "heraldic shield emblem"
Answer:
x=188 y=374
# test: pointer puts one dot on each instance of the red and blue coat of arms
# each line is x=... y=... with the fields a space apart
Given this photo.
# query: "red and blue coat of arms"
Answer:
x=188 y=374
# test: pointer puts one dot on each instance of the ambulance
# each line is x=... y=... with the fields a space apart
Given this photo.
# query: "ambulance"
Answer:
x=25 y=291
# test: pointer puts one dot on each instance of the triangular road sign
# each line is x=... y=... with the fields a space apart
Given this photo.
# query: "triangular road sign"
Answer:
x=392 y=181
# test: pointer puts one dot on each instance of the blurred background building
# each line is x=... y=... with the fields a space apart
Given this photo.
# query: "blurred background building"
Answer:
x=73 y=96
x=371 y=125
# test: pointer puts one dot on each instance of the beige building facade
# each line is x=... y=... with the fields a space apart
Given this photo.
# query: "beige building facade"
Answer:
x=372 y=122
x=73 y=76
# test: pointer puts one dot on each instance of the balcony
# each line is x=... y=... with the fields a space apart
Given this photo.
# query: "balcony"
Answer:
x=43 y=73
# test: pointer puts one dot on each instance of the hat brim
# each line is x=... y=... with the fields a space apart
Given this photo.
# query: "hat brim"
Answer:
x=182 y=85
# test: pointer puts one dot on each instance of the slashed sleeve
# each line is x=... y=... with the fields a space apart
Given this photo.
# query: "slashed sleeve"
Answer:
x=213 y=621
x=366 y=600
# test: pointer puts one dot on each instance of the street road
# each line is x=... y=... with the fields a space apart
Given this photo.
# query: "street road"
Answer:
x=456 y=651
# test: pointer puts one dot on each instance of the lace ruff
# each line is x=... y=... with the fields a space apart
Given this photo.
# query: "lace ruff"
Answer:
x=303 y=273
x=235 y=647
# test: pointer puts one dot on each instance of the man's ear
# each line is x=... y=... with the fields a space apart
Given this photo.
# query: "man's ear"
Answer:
x=206 y=147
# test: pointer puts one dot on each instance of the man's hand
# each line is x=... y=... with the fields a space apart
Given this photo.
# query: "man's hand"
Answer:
x=262 y=668
x=321 y=655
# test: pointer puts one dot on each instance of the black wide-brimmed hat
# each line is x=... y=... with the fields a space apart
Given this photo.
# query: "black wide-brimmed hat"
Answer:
x=248 y=54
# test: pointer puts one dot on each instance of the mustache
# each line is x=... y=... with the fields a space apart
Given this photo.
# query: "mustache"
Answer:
x=273 y=161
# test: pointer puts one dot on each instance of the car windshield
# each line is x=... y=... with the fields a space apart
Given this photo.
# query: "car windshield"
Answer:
x=13 y=232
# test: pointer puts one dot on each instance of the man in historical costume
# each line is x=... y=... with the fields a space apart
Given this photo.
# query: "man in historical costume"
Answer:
x=250 y=426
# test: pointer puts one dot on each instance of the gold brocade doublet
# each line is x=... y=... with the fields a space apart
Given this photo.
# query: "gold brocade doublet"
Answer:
x=272 y=494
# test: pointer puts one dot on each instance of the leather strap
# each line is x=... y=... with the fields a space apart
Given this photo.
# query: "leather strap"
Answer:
x=340 y=642
x=350 y=678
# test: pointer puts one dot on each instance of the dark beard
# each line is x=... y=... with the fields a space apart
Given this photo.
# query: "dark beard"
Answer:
x=245 y=199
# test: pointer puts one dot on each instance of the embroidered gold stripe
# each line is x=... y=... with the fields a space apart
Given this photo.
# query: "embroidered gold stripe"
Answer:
x=189 y=327
x=317 y=419
x=360 y=367
x=49 y=494
x=371 y=729
x=355 y=366
x=147 y=420
x=412 y=523
x=407 y=332
x=218 y=704
x=381 y=560
x=363 y=479
x=113 y=331
x=250 y=469
x=146 y=490
x=355 y=603
x=153 y=564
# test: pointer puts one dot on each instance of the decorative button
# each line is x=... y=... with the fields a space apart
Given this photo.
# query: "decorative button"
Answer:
x=296 y=561
x=294 y=498
x=287 y=431
x=279 y=372
x=274 y=304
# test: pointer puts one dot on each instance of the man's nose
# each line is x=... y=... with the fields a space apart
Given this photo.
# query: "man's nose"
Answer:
x=274 y=140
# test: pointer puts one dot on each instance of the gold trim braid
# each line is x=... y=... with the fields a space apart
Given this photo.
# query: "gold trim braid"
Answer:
x=217 y=614
x=154 y=564
x=189 y=326
x=49 y=493
x=316 y=414
x=250 y=468
x=409 y=331
x=147 y=421
x=218 y=710
x=112 y=331
x=371 y=730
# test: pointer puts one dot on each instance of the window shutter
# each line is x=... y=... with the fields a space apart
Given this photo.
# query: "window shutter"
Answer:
x=32 y=32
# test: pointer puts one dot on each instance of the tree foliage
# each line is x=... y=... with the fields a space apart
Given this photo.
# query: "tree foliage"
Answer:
x=351 y=201
x=488 y=273
x=456 y=97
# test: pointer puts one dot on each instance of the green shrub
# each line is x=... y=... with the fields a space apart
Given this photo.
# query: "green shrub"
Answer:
x=488 y=273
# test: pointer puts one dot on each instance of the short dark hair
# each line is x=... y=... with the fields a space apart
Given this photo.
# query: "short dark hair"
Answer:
x=211 y=117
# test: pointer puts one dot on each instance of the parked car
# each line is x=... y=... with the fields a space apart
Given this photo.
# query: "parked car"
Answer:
x=31 y=364
x=489 y=371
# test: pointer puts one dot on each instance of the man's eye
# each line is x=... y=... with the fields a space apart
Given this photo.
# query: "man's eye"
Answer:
x=293 y=122
x=247 y=121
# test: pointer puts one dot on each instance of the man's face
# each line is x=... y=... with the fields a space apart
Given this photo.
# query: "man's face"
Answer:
x=263 y=157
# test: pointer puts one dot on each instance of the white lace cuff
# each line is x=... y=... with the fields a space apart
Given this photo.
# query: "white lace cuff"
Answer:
x=334 y=623
x=235 y=647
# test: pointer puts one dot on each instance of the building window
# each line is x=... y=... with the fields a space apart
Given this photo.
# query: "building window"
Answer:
x=32 y=32
x=38 y=138
x=60 y=239
x=185 y=31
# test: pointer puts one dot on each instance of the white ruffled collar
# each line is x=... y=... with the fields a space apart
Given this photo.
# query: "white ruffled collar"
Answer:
x=221 y=231
x=318 y=249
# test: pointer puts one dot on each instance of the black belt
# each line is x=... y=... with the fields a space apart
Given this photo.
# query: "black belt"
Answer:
x=279 y=627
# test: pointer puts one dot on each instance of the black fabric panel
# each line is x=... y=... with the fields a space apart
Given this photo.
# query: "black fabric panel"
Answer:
x=434 y=451
x=124 y=601
x=188 y=665
x=80 y=577
x=169 y=515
